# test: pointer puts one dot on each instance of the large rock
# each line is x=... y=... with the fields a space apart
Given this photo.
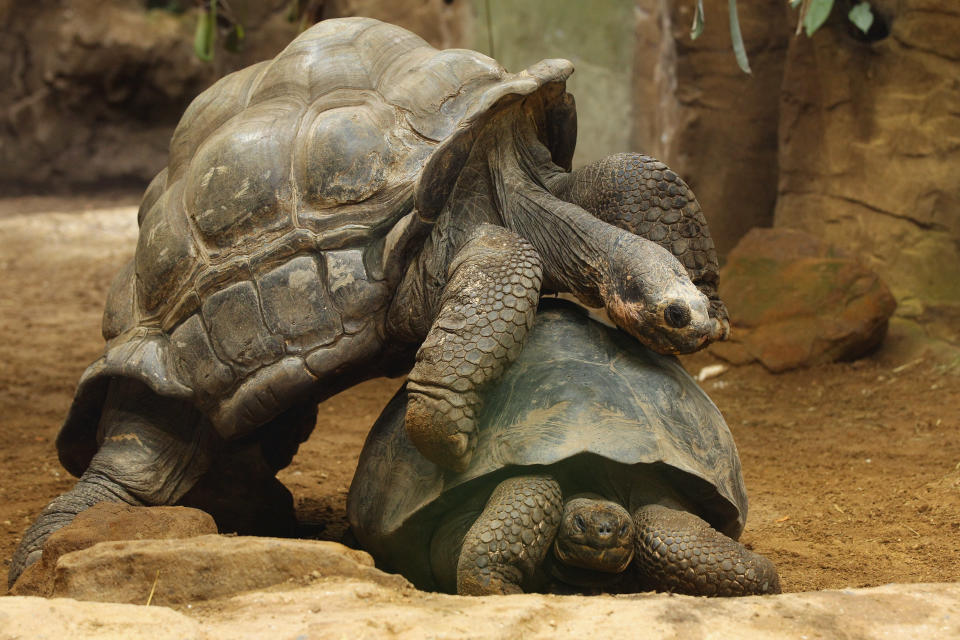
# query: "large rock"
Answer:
x=206 y=568
x=870 y=150
x=795 y=301
x=355 y=609
x=104 y=522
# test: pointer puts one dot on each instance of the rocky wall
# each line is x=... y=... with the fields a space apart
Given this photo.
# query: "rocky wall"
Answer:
x=596 y=36
x=713 y=124
x=869 y=151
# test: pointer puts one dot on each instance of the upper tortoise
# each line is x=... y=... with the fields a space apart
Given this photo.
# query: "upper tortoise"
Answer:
x=360 y=204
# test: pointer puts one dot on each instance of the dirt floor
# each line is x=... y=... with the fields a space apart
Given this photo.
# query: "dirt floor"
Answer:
x=853 y=469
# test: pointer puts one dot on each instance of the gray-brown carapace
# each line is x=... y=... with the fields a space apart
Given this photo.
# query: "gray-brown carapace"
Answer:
x=600 y=466
x=360 y=205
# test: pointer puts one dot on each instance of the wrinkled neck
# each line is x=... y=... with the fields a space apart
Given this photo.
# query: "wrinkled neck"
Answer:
x=573 y=244
x=506 y=181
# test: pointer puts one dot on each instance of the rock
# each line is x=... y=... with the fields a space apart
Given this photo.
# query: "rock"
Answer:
x=95 y=88
x=109 y=521
x=207 y=567
x=356 y=609
x=23 y=617
x=794 y=301
x=869 y=150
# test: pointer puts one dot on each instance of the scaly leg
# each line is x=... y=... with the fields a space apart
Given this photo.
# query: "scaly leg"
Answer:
x=486 y=310
x=679 y=552
x=509 y=540
x=152 y=452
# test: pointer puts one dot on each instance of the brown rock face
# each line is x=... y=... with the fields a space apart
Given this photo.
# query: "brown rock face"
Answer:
x=95 y=87
x=715 y=125
x=794 y=301
x=870 y=147
x=109 y=521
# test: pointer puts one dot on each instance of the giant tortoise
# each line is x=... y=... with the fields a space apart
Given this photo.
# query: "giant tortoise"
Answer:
x=600 y=464
x=359 y=205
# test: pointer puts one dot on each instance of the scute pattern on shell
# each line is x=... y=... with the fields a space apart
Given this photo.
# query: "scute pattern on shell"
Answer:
x=577 y=388
x=257 y=271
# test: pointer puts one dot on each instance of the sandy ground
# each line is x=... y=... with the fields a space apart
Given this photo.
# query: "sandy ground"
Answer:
x=853 y=470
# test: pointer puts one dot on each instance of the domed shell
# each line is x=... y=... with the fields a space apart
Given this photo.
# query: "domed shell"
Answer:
x=289 y=173
x=577 y=388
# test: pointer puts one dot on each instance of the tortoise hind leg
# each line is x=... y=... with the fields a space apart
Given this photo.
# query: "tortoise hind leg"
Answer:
x=241 y=490
x=152 y=451
x=509 y=540
x=679 y=552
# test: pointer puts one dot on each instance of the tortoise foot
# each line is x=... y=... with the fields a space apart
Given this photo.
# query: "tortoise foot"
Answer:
x=89 y=490
x=441 y=426
x=486 y=310
x=679 y=552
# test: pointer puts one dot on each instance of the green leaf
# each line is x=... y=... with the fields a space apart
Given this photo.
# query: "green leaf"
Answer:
x=697 y=27
x=737 y=38
x=816 y=15
x=203 y=39
x=862 y=16
x=234 y=41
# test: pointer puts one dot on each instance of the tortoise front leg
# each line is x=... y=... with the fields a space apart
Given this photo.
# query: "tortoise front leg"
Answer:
x=679 y=552
x=510 y=538
x=642 y=195
x=486 y=310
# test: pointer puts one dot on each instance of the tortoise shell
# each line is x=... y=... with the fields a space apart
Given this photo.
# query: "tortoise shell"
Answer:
x=263 y=266
x=579 y=389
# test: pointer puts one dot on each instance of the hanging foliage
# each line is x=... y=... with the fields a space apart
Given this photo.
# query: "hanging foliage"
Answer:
x=812 y=14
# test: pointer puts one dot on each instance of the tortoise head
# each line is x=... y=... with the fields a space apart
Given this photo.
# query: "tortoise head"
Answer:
x=595 y=534
x=649 y=294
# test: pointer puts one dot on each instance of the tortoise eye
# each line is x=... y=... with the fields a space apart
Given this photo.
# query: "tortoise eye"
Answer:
x=677 y=315
x=579 y=523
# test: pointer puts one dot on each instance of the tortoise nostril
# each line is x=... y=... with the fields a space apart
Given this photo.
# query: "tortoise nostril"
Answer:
x=605 y=528
x=677 y=315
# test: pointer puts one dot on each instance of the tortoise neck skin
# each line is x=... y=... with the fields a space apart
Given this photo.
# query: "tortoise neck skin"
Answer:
x=642 y=286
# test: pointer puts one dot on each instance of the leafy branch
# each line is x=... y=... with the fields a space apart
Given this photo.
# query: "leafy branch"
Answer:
x=812 y=15
x=229 y=17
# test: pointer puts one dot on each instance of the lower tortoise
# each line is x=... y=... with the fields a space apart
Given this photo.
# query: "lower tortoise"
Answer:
x=362 y=205
x=600 y=465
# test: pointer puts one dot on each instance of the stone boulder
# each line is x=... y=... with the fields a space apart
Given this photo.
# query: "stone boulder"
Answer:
x=795 y=301
x=104 y=522
x=209 y=567
x=869 y=150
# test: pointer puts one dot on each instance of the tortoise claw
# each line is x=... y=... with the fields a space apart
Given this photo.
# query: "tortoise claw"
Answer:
x=443 y=432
